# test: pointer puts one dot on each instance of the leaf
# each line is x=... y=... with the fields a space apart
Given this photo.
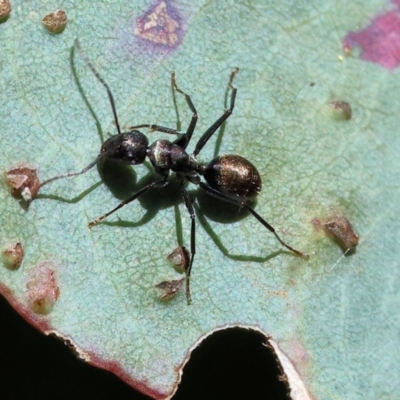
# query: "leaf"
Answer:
x=333 y=318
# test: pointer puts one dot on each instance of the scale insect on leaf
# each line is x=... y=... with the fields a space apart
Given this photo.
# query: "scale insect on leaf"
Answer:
x=230 y=178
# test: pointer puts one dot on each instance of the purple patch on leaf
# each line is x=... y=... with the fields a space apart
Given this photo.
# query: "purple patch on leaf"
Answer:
x=380 y=41
x=160 y=26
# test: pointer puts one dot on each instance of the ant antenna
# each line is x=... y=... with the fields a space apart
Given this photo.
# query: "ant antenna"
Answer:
x=69 y=174
x=210 y=131
x=110 y=96
x=97 y=75
x=222 y=196
x=233 y=73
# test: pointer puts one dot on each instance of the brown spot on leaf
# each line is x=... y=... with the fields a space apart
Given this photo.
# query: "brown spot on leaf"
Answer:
x=347 y=49
x=160 y=25
x=341 y=109
x=168 y=289
x=23 y=182
x=340 y=229
x=5 y=9
x=42 y=288
x=12 y=255
x=55 y=22
x=179 y=259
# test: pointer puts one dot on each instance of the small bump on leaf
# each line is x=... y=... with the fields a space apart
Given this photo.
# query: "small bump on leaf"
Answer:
x=23 y=182
x=5 y=9
x=12 y=255
x=340 y=229
x=55 y=22
x=42 y=288
x=341 y=109
x=179 y=259
x=169 y=289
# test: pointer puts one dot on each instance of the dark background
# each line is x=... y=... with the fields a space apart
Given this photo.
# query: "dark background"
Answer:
x=230 y=364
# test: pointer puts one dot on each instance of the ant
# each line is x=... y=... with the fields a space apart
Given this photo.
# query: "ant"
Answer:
x=230 y=178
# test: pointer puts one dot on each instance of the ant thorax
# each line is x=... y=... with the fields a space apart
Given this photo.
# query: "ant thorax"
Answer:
x=166 y=155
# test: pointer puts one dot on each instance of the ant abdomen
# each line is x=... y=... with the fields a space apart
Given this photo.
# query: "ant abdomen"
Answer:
x=234 y=175
x=129 y=147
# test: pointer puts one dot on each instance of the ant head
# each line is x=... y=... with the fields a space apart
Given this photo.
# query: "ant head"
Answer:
x=129 y=147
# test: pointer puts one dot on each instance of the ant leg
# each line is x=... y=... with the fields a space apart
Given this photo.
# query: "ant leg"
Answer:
x=210 y=131
x=101 y=80
x=161 y=182
x=157 y=128
x=189 y=206
x=215 y=193
x=67 y=175
x=185 y=139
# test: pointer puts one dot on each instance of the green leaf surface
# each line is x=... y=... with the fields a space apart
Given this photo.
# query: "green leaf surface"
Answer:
x=334 y=317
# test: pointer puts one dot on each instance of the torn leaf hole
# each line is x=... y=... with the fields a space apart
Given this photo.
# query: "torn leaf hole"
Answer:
x=232 y=364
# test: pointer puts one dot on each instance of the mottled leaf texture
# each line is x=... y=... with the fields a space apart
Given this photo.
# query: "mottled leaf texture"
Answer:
x=333 y=320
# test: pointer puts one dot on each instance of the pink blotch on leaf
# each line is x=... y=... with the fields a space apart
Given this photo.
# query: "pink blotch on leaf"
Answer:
x=42 y=288
x=161 y=25
x=380 y=41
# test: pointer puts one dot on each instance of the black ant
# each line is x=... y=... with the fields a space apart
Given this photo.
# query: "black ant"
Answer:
x=230 y=178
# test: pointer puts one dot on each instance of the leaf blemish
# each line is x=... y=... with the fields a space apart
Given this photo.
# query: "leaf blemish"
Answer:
x=341 y=109
x=5 y=9
x=340 y=229
x=179 y=259
x=169 y=289
x=55 y=22
x=160 y=25
x=12 y=255
x=23 y=182
x=42 y=288
x=379 y=42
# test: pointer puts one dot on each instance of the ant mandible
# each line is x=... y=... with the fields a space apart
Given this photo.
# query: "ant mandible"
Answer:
x=230 y=178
